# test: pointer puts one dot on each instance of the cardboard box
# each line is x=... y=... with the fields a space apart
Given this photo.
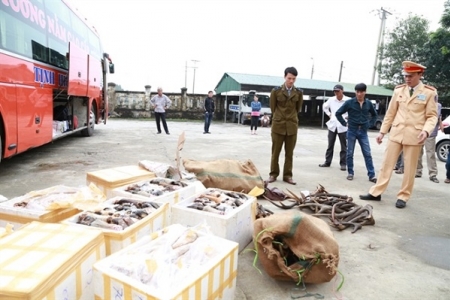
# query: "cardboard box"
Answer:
x=49 y=261
x=117 y=240
x=18 y=216
x=236 y=225
x=216 y=279
x=168 y=197
x=50 y=205
x=109 y=179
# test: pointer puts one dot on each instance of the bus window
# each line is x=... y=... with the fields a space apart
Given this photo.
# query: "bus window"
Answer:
x=265 y=100
x=17 y=36
x=94 y=45
x=58 y=53
x=40 y=52
x=80 y=33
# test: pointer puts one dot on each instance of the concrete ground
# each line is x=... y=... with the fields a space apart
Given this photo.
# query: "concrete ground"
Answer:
x=405 y=255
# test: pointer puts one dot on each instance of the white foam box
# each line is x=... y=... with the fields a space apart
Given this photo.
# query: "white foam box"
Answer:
x=117 y=240
x=18 y=216
x=216 y=279
x=49 y=261
x=236 y=225
x=109 y=179
x=170 y=197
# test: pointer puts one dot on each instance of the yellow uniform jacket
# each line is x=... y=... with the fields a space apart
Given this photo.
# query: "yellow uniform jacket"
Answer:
x=408 y=116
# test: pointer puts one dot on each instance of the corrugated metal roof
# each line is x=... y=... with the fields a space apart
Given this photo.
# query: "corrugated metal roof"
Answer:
x=234 y=81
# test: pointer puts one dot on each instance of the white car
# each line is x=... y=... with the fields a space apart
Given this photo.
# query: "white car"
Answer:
x=443 y=143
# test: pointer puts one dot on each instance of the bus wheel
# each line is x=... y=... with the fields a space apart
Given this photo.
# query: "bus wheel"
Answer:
x=90 y=129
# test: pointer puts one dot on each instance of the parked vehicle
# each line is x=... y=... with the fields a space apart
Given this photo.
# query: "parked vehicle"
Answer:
x=242 y=110
x=378 y=122
x=443 y=143
x=53 y=75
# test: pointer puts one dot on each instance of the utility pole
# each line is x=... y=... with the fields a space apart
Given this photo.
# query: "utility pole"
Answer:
x=194 y=67
x=382 y=13
x=312 y=67
x=340 y=70
x=185 y=76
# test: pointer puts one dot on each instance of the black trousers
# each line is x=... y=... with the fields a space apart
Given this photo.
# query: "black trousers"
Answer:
x=330 y=150
x=255 y=120
x=161 y=117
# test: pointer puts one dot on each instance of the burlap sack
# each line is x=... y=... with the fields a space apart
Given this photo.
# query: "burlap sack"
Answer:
x=314 y=253
x=226 y=174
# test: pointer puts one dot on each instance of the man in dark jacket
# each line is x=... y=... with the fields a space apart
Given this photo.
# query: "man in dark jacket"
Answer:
x=209 y=111
x=285 y=104
x=358 y=109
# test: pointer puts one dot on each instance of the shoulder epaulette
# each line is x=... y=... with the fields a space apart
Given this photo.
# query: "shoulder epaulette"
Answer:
x=401 y=85
x=276 y=88
x=430 y=87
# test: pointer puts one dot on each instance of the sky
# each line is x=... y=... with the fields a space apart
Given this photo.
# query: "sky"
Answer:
x=152 y=41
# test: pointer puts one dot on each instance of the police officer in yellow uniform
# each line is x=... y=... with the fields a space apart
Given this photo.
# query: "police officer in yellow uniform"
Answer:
x=411 y=116
x=285 y=103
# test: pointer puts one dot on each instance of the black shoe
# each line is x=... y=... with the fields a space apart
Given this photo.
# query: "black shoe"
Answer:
x=400 y=203
x=418 y=176
x=370 y=197
x=168 y=133
x=208 y=132
x=158 y=133
x=343 y=168
x=205 y=132
x=373 y=179
x=434 y=179
x=399 y=171
x=325 y=165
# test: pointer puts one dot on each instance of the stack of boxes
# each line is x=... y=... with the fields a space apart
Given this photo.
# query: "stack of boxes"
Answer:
x=76 y=272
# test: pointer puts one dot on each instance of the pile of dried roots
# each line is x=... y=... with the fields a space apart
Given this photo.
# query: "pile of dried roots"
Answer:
x=340 y=209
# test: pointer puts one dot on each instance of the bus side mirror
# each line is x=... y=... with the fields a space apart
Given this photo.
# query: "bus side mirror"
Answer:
x=111 y=68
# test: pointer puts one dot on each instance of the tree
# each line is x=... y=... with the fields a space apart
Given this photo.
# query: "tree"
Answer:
x=437 y=52
x=405 y=42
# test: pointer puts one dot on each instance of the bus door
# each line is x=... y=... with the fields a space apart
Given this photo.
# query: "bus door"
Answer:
x=78 y=71
x=78 y=84
x=95 y=78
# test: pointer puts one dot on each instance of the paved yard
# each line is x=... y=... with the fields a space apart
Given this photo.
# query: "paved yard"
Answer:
x=404 y=256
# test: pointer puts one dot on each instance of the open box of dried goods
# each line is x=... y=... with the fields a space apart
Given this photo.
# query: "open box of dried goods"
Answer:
x=124 y=220
x=49 y=261
x=108 y=179
x=230 y=215
x=158 y=189
x=49 y=205
x=175 y=263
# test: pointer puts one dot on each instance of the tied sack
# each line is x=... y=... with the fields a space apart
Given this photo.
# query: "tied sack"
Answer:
x=226 y=174
x=296 y=247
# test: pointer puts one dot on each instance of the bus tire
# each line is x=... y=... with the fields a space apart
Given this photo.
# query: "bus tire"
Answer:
x=89 y=131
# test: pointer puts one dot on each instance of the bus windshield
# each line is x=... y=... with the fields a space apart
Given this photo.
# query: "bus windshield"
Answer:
x=264 y=99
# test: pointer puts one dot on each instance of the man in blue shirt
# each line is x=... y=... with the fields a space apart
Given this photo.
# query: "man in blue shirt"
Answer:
x=358 y=110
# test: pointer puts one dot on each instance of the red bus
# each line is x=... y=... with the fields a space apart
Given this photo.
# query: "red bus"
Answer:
x=52 y=74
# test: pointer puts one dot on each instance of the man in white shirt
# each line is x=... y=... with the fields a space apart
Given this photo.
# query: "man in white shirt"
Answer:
x=335 y=128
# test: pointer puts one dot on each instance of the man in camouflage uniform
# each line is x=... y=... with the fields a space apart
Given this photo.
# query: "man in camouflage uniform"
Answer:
x=285 y=104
